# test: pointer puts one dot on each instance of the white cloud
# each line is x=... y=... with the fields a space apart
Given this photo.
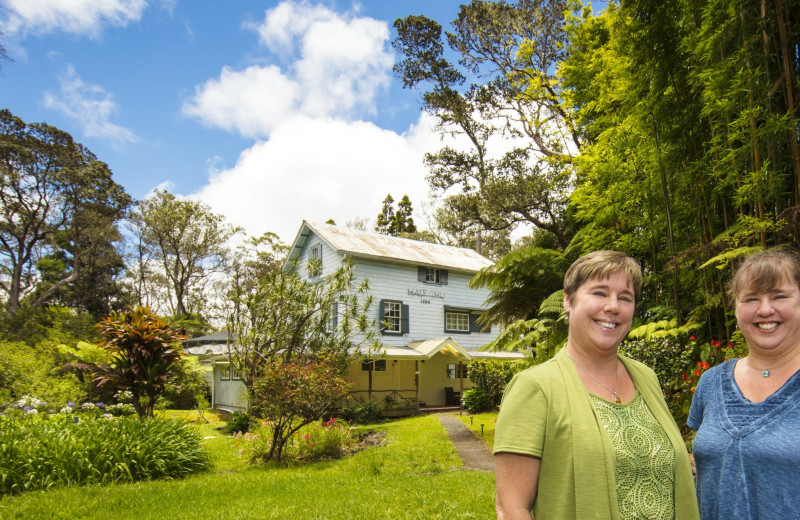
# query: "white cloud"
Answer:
x=75 y=16
x=316 y=169
x=90 y=106
x=251 y=101
x=342 y=63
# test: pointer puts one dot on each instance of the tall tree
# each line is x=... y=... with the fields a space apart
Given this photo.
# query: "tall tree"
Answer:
x=57 y=199
x=514 y=49
x=386 y=216
x=188 y=242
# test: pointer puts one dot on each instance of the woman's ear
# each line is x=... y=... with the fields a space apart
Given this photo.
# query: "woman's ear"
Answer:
x=567 y=306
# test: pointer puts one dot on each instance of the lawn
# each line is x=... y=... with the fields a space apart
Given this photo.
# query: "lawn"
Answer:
x=487 y=420
x=414 y=475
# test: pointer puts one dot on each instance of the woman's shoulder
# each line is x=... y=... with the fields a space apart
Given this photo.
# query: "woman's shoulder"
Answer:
x=543 y=371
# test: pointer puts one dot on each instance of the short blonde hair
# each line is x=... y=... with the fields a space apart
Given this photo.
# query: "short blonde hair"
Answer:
x=764 y=272
x=602 y=264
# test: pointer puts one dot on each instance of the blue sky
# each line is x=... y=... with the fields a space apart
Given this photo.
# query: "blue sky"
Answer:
x=270 y=112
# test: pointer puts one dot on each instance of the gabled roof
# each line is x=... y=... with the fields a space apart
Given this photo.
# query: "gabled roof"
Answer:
x=363 y=244
x=426 y=349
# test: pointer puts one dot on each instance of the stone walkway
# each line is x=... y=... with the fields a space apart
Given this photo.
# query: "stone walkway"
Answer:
x=472 y=451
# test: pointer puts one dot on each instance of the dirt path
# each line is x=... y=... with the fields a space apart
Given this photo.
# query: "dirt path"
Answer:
x=472 y=451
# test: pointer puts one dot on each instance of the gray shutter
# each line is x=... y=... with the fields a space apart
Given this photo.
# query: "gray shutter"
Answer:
x=422 y=273
x=381 y=325
x=404 y=328
x=474 y=326
x=443 y=276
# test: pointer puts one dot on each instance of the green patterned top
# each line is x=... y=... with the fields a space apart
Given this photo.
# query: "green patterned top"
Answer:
x=645 y=459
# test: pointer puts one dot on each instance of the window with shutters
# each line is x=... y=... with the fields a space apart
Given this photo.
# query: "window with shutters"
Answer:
x=456 y=321
x=392 y=316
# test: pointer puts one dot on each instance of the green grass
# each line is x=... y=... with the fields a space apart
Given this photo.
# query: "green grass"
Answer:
x=414 y=475
x=488 y=421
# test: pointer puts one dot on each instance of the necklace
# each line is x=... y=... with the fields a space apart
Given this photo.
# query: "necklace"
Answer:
x=616 y=378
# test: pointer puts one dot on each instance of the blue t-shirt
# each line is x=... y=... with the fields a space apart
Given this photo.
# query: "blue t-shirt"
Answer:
x=747 y=454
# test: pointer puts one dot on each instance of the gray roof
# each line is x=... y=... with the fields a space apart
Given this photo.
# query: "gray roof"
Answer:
x=363 y=244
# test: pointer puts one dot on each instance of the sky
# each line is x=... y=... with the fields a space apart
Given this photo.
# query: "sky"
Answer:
x=270 y=112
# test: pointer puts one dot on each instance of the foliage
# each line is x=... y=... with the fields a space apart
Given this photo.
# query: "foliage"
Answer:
x=292 y=394
x=34 y=370
x=144 y=349
x=520 y=104
x=186 y=386
x=540 y=337
x=286 y=317
x=362 y=412
x=58 y=209
x=476 y=400
x=41 y=452
x=180 y=243
x=395 y=222
x=492 y=376
x=238 y=422
x=318 y=440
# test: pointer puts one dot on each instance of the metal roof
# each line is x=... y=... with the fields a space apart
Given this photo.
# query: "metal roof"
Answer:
x=362 y=244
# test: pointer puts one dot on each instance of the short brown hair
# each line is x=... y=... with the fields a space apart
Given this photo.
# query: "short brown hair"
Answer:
x=764 y=272
x=600 y=265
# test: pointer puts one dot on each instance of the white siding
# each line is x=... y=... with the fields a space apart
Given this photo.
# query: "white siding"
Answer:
x=426 y=313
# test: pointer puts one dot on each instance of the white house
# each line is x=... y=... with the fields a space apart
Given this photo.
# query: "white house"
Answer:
x=421 y=302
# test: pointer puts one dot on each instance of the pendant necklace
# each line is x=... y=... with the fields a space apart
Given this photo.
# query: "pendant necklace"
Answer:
x=616 y=377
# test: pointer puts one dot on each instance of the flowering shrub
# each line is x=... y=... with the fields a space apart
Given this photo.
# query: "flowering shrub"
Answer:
x=319 y=440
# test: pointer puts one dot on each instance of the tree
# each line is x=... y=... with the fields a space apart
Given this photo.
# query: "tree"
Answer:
x=291 y=395
x=396 y=222
x=286 y=318
x=57 y=202
x=515 y=48
x=144 y=349
x=187 y=241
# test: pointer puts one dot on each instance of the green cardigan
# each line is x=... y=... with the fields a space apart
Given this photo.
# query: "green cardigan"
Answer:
x=547 y=413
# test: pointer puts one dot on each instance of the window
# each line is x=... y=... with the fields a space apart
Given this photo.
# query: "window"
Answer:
x=235 y=374
x=315 y=260
x=456 y=371
x=456 y=321
x=225 y=372
x=462 y=321
x=377 y=365
x=392 y=312
x=333 y=319
x=432 y=275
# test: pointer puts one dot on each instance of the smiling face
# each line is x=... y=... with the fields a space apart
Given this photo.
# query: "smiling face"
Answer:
x=600 y=314
x=770 y=319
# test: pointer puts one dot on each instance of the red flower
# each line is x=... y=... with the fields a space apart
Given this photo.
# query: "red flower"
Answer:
x=699 y=363
x=693 y=389
x=684 y=377
x=698 y=372
x=730 y=345
x=692 y=338
x=706 y=365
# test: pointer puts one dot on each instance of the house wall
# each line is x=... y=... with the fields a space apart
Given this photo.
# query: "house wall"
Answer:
x=228 y=393
x=426 y=302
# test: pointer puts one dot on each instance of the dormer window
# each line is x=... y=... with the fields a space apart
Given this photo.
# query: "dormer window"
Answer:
x=315 y=260
x=432 y=275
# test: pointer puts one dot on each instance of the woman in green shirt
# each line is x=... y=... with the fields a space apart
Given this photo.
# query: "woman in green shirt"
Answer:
x=587 y=435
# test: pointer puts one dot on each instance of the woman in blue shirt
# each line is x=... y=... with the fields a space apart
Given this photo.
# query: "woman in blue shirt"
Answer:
x=747 y=411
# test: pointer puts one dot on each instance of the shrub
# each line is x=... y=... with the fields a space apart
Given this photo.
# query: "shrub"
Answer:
x=186 y=386
x=317 y=440
x=293 y=394
x=476 y=400
x=238 y=422
x=363 y=413
x=40 y=451
x=33 y=370
x=492 y=376
x=144 y=349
